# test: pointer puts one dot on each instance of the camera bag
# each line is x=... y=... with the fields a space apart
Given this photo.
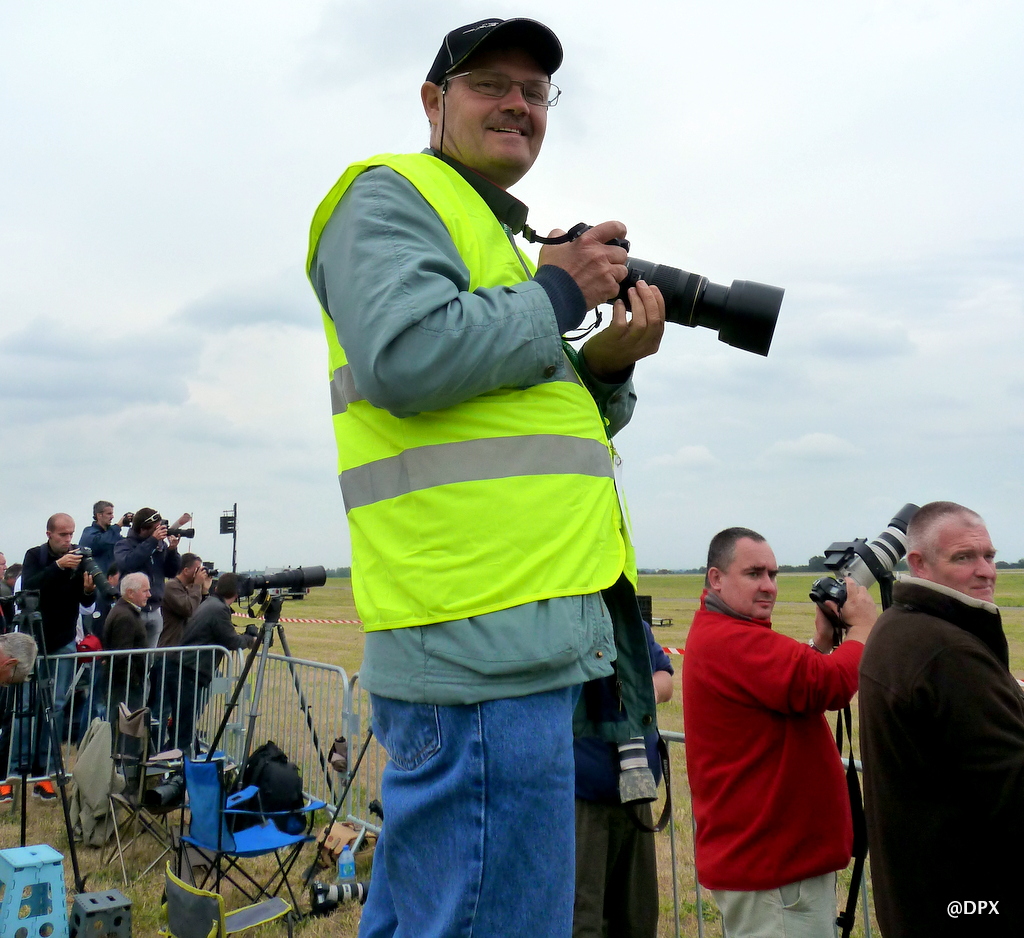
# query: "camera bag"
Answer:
x=279 y=785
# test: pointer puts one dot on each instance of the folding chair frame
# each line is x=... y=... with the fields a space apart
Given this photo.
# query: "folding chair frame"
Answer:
x=152 y=820
x=190 y=905
x=225 y=849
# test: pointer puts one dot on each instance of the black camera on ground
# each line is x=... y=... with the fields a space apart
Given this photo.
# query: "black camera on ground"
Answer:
x=862 y=561
x=166 y=795
x=324 y=898
x=90 y=566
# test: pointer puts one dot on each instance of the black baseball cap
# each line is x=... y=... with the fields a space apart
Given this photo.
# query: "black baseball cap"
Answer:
x=528 y=35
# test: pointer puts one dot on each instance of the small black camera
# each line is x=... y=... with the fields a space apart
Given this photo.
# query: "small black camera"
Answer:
x=828 y=588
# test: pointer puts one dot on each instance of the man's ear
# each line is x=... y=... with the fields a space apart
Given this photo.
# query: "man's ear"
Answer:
x=915 y=560
x=714 y=578
x=430 y=95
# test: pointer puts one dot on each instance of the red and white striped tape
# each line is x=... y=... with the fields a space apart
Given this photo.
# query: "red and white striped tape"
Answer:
x=665 y=648
x=314 y=621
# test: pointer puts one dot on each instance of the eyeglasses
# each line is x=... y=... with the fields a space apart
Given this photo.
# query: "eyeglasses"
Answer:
x=537 y=92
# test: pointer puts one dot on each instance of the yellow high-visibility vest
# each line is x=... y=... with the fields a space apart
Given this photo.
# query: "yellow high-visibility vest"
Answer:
x=503 y=499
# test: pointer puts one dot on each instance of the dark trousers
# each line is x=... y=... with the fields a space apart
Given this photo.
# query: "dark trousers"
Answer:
x=177 y=698
x=616 y=874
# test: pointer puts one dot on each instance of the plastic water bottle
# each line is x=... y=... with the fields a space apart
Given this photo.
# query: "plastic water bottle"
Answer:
x=346 y=867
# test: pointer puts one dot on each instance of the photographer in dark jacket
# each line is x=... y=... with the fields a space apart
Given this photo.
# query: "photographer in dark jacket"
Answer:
x=148 y=549
x=942 y=738
x=103 y=535
x=56 y=572
x=188 y=674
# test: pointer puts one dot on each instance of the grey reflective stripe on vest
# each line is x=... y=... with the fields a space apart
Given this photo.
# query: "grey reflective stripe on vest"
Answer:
x=343 y=386
x=343 y=390
x=472 y=461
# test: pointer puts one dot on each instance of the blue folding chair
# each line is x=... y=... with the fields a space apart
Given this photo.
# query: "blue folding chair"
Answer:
x=209 y=833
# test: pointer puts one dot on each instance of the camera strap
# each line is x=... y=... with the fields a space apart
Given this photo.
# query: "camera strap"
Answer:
x=571 y=235
x=666 y=811
x=846 y=918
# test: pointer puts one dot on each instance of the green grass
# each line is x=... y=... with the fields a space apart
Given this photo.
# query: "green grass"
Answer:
x=674 y=596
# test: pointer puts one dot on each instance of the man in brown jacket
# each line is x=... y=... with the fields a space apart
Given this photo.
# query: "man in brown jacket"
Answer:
x=125 y=631
x=182 y=596
x=942 y=737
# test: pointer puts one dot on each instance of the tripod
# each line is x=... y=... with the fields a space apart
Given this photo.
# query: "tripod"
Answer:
x=38 y=696
x=270 y=611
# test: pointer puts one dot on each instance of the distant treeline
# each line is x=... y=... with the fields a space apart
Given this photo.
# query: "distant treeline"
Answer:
x=817 y=565
x=814 y=565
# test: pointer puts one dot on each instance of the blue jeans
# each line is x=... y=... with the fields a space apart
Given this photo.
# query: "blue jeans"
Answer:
x=478 y=837
x=40 y=759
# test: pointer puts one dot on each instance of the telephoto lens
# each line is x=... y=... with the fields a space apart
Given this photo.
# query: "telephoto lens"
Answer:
x=866 y=562
x=743 y=315
x=170 y=793
x=324 y=898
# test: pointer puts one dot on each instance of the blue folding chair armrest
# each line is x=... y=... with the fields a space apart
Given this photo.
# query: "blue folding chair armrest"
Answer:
x=244 y=795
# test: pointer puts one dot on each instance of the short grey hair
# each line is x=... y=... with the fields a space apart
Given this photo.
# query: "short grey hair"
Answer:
x=928 y=518
x=134 y=581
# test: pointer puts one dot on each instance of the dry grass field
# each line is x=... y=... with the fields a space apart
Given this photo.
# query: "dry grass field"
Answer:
x=674 y=597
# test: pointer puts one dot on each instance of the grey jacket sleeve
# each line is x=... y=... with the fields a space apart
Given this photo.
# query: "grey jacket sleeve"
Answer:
x=387 y=272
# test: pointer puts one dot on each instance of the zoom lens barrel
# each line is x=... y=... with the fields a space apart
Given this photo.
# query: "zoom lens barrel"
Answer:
x=744 y=315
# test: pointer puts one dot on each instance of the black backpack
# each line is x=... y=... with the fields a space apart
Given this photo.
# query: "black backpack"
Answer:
x=279 y=785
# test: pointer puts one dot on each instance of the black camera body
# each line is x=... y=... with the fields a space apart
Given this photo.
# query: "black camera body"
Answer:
x=828 y=588
x=865 y=561
x=90 y=566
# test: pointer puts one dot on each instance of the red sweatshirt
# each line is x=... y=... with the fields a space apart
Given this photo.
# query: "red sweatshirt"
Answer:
x=769 y=791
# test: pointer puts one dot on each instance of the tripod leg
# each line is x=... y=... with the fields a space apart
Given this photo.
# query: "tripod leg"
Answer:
x=50 y=727
x=341 y=798
x=306 y=710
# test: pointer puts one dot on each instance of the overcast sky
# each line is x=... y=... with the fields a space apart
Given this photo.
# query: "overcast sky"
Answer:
x=160 y=163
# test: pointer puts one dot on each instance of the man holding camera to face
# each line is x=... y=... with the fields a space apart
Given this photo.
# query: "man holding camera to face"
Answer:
x=942 y=734
x=475 y=464
x=769 y=794
x=182 y=596
x=102 y=536
x=149 y=549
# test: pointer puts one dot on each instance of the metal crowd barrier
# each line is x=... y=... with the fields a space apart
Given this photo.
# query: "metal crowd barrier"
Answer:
x=366 y=787
x=103 y=679
x=303 y=705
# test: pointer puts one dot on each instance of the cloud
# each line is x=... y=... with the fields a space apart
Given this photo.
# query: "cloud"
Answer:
x=854 y=335
x=58 y=369
x=686 y=457
x=362 y=40
x=810 y=448
x=286 y=299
